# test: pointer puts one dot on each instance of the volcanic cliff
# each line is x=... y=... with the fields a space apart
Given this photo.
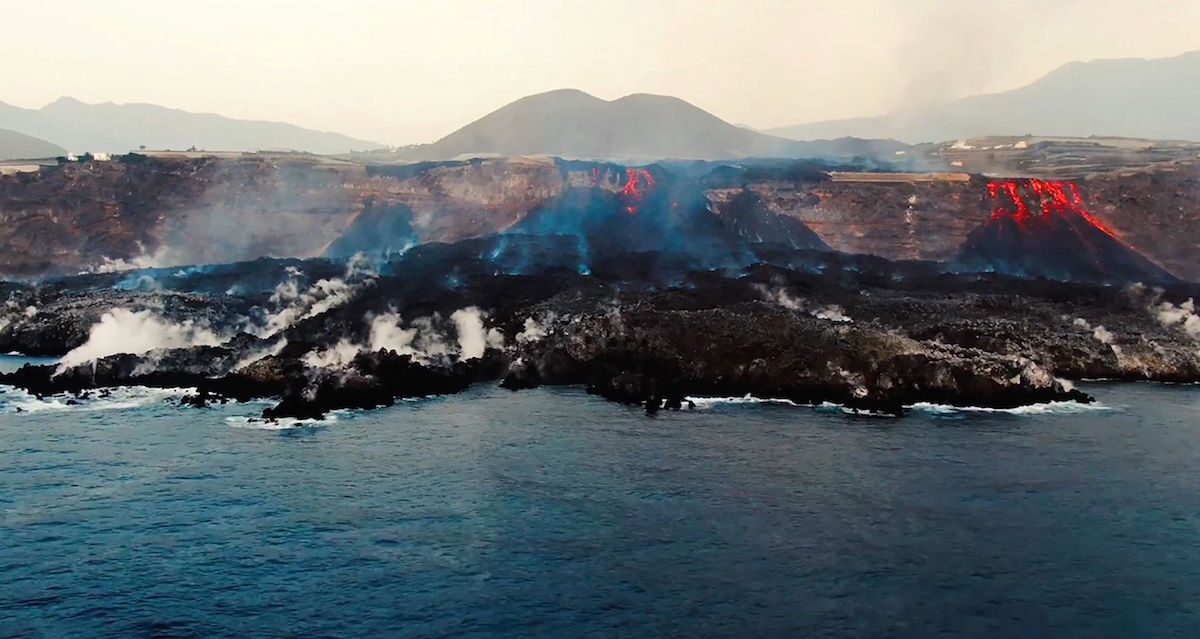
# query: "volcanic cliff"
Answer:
x=174 y=209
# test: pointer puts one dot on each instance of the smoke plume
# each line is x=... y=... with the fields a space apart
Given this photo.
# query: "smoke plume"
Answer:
x=473 y=339
x=123 y=331
x=1099 y=333
x=1183 y=316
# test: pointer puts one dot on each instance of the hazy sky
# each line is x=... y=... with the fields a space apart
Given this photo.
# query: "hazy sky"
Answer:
x=405 y=71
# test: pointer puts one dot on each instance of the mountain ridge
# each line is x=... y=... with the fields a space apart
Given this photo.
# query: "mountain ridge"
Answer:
x=1120 y=97
x=119 y=127
x=15 y=145
x=638 y=126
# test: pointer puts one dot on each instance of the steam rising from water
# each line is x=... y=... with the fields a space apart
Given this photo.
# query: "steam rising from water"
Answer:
x=473 y=340
x=123 y=331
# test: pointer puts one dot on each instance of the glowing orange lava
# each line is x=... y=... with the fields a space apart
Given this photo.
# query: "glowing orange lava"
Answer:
x=1055 y=198
x=633 y=192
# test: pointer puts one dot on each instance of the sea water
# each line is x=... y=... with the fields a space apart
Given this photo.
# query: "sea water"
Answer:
x=553 y=513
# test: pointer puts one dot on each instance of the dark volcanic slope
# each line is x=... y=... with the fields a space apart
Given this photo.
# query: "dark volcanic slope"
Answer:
x=174 y=210
x=1043 y=230
x=571 y=123
x=748 y=216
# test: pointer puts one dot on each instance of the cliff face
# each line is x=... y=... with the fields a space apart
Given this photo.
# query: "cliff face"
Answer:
x=66 y=218
x=899 y=221
x=180 y=210
x=1156 y=210
x=185 y=210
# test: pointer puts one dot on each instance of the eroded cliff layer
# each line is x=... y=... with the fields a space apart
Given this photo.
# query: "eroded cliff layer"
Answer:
x=140 y=211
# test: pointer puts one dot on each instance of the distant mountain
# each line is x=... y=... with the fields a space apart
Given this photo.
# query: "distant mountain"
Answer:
x=1140 y=98
x=570 y=123
x=18 y=146
x=118 y=128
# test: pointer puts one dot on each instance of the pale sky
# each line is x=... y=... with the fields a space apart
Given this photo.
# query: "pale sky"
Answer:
x=403 y=72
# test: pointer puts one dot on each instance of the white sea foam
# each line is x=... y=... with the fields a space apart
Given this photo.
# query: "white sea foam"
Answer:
x=15 y=400
x=1050 y=408
x=283 y=423
x=709 y=402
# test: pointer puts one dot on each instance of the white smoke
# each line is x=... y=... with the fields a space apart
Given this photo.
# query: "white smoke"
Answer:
x=779 y=296
x=123 y=331
x=387 y=335
x=423 y=339
x=143 y=260
x=339 y=356
x=1099 y=333
x=1184 y=316
x=429 y=344
x=289 y=288
x=473 y=338
x=533 y=332
x=832 y=313
x=261 y=355
x=472 y=341
x=326 y=294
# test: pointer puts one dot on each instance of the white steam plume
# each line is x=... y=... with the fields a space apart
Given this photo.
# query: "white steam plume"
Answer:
x=123 y=331
x=473 y=339
x=324 y=295
x=1099 y=333
x=143 y=260
x=423 y=341
x=387 y=335
x=780 y=296
x=533 y=332
x=1183 y=316
x=339 y=356
x=261 y=355
x=833 y=313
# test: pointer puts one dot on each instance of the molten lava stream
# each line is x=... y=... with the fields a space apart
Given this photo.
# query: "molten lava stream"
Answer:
x=632 y=192
x=1056 y=198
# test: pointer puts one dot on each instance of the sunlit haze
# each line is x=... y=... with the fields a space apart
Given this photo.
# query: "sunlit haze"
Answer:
x=407 y=72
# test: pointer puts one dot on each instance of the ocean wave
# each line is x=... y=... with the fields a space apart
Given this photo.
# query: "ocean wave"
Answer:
x=709 y=402
x=283 y=423
x=1050 y=408
x=15 y=400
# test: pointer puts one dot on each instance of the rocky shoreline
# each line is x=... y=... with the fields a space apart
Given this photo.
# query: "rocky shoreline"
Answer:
x=861 y=332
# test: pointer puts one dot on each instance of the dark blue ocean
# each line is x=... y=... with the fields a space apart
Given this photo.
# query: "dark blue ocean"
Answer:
x=552 y=513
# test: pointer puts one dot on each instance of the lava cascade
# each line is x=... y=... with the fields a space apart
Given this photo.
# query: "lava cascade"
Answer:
x=1056 y=199
x=1042 y=228
x=639 y=182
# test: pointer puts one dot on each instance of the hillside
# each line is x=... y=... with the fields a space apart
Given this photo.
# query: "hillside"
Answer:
x=570 y=123
x=117 y=128
x=18 y=146
x=1140 y=98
